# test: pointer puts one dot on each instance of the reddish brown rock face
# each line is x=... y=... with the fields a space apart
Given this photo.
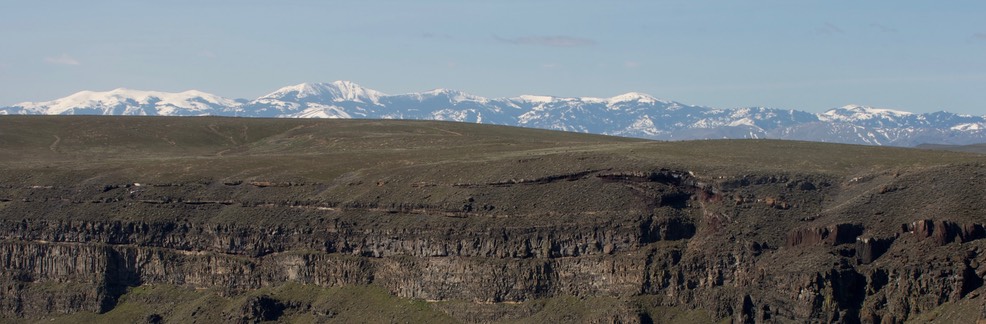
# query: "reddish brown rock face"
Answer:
x=943 y=232
x=831 y=235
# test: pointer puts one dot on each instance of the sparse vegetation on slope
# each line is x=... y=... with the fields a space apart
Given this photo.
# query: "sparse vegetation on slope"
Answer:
x=436 y=221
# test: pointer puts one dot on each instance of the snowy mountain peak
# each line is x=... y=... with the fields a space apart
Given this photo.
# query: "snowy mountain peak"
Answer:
x=335 y=92
x=535 y=99
x=631 y=114
x=440 y=91
x=633 y=96
x=859 y=112
x=454 y=96
x=868 y=109
x=135 y=102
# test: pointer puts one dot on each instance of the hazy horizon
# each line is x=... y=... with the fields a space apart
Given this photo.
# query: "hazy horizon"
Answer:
x=813 y=56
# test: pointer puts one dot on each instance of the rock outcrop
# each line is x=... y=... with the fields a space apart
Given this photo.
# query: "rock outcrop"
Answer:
x=751 y=245
x=643 y=254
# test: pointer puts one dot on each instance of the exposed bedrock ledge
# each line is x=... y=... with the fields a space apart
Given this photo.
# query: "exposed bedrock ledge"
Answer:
x=943 y=232
x=683 y=244
x=517 y=241
x=832 y=235
x=718 y=281
x=102 y=270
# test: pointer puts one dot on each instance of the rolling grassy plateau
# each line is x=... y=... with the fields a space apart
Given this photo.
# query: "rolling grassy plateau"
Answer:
x=207 y=219
x=973 y=148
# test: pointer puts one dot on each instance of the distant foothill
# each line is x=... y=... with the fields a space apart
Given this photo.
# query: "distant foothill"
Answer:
x=631 y=114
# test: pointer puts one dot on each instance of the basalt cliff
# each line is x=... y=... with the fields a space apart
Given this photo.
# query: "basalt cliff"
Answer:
x=247 y=220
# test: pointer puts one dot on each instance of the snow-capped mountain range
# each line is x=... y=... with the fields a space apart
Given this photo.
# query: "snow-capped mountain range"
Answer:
x=631 y=114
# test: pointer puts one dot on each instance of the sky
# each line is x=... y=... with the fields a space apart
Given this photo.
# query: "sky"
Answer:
x=918 y=56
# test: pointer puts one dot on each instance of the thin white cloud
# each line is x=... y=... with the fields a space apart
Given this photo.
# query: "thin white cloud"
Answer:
x=979 y=36
x=828 y=29
x=884 y=28
x=552 y=41
x=207 y=54
x=63 y=59
x=631 y=64
x=436 y=35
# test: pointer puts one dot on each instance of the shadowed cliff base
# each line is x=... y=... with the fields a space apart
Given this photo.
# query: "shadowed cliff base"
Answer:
x=112 y=218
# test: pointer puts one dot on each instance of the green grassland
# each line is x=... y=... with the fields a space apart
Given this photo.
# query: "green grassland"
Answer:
x=157 y=148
